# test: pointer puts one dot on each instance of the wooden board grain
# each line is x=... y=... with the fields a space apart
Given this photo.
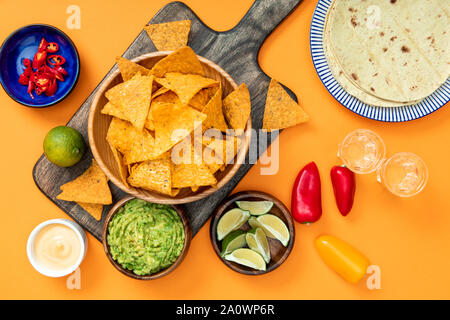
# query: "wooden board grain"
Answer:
x=235 y=50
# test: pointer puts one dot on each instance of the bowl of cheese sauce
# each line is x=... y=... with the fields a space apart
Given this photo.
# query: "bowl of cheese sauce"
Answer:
x=57 y=247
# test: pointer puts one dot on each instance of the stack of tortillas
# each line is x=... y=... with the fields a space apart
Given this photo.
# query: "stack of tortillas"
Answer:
x=388 y=52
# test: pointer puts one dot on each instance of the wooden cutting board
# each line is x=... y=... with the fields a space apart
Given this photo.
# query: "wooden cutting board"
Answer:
x=235 y=50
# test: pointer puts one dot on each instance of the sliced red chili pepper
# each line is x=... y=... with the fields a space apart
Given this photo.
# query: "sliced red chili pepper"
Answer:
x=61 y=70
x=43 y=45
x=52 y=47
x=28 y=71
x=30 y=88
x=27 y=62
x=23 y=79
x=39 y=59
x=52 y=88
x=56 y=60
x=42 y=81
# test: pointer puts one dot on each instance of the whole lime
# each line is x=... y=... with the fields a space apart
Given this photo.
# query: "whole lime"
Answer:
x=64 y=146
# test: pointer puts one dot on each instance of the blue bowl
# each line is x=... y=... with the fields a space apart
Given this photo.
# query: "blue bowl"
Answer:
x=22 y=44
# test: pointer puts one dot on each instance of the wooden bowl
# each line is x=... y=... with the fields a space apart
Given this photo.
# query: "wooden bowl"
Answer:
x=162 y=273
x=98 y=124
x=278 y=252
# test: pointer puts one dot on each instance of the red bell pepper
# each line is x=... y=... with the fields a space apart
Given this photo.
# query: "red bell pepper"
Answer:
x=306 y=202
x=343 y=180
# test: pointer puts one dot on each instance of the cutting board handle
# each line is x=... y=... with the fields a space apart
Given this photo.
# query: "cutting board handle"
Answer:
x=263 y=17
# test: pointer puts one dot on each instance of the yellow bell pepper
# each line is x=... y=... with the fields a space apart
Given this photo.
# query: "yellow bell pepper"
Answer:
x=348 y=262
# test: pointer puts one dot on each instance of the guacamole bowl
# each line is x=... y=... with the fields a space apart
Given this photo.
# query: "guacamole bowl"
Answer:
x=145 y=240
x=99 y=123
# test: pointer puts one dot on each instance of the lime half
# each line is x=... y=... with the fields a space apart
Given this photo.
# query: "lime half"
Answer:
x=256 y=208
x=257 y=241
x=248 y=258
x=231 y=221
x=234 y=240
x=273 y=227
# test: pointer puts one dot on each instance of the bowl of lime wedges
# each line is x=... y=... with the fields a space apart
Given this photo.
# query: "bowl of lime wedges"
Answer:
x=252 y=232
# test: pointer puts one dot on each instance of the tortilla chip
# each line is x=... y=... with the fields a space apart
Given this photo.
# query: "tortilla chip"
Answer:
x=133 y=98
x=185 y=86
x=169 y=97
x=159 y=92
x=169 y=36
x=281 y=110
x=93 y=209
x=135 y=145
x=173 y=123
x=123 y=170
x=193 y=173
x=223 y=152
x=112 y=110
x=153 y=175
x=184 y=60
x=128 y=68
x=237 y=107
x=91 y=187
x=214 y=113
x=200 y=99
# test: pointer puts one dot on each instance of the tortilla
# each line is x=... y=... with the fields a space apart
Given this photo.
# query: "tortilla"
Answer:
x=214 y=113
x=91 y=187
x=133 y=99
x=128 y=69
x=153 y=175
x=183 y=60
x=93 y=209
x=237 y=107
x=402 y=57
x=169 y=36
x=281 y=111
x=346 y=83
x=186 y=86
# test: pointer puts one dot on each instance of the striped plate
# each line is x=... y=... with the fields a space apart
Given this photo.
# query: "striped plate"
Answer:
x=405 y=113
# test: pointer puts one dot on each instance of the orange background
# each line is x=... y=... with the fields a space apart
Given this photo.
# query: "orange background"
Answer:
x=408 y=238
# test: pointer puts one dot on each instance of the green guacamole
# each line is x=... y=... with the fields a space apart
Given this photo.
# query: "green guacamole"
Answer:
x=145 y=237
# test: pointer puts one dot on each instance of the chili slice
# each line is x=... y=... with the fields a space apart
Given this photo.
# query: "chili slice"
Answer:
x=52 y=47
x=56 y=60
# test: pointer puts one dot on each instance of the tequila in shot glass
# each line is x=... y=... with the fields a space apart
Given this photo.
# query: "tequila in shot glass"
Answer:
x=405 y=174
x=362 y=151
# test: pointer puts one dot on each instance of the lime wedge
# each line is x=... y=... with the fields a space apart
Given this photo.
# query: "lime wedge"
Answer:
x=253 y=222
x=257 y=241
x=230 y=221
x=247 y=257
x=273 y=227
x=256 y=208
x=234 y=240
